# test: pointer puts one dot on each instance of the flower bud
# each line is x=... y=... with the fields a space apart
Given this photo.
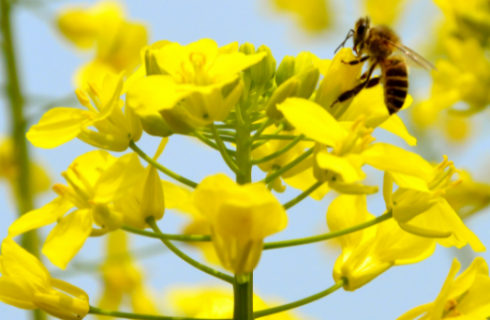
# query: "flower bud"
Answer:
x=263 y=71
x=247 y=48
x=152 y=201
x=154 y=125
x=309 y=79
x=288 y=89
x=285 y=70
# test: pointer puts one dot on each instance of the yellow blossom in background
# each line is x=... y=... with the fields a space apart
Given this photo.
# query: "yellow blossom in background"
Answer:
x=368 y=253
x=384 y=11
x=464 y=297
x=117 y=41
x=122 y=278
x=9 y=169
x=26 y=284
x=95 y=180
x=197 y=84
x=419 y=207
x=115 y=128
x=469 y=196
x=214 y=302
x=311 y=15
x=240 y=217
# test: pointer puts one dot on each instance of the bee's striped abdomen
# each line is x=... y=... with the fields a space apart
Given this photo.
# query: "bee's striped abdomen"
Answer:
x=395 y=81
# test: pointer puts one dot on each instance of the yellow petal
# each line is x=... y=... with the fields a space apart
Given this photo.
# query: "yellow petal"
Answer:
x=210 y=194
x=415 y=312
x=68 y=237
x=57 y=126
x=41 y=217
x=442 y=297
x=344 y=212
x=340 y=165
x=409 y=182
x=118 y=178
x=152 y=202
x=387 y=157
x=313 y=121
x=18 y=263
x=16 y=293
x=395 y=125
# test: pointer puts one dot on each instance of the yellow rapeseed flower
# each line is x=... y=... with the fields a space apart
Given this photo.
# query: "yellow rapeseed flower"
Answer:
x=342 y=148
x=240 y=217
x=117 y=41
x=420 y=208
x=115 y=128
x=196 y=85
x=368 y=253
x=95 y=180
x=26 y=284
x=465 y=297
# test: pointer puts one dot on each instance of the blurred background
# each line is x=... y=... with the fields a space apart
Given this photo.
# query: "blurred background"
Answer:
x=448 y=116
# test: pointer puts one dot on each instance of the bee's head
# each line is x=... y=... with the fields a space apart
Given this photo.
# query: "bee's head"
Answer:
x=360 y=31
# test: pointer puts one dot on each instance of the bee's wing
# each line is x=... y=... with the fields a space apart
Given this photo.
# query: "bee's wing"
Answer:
x=414 y=56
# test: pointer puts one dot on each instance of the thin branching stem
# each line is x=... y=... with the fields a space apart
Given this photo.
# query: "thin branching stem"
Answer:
x=215 y=273
x=302 y=302
x=160 y=167
x=288 y=167
x=303 y=195
x=279 y=152
x=222 y=149
x=128 y=315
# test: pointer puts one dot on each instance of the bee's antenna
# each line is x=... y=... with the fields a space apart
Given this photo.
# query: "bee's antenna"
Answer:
x=350 y=34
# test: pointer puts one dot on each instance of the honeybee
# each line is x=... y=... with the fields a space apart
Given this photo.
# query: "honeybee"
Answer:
x=378 y=45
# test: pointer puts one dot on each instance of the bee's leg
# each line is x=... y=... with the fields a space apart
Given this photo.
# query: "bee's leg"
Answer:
x=373 y=82
x=354 y=62
x=365 y=84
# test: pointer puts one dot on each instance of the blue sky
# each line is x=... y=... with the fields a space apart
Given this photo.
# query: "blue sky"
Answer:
x=47 y=66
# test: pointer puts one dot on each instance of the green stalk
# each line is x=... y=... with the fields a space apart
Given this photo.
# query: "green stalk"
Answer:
x=261 y=129
x=23 y=190
x=303 y=195
x=211 y=143
x=128 y=315
x=243 y=292
x=302 y=302
x=287 y=167
x=175 y=237
x=186 y=258
x=326 y=236
x=222 y=149
x=166 y=171
x=279 y=152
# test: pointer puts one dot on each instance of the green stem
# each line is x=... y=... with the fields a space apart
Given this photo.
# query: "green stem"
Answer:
x=243 y=299
x=128 y=315
x=270 y=245
x=23 y=188
x=222 y=149
x=287 y=167
x=279 y=152
x=186 y=258
x=303 y=195
x=243 y=292
x=301 y=302
x=211 y=143
x=175 y=237
x=326 y=236
x=168 y=172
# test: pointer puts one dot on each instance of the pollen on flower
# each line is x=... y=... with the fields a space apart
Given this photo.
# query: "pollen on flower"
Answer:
x=450 y=309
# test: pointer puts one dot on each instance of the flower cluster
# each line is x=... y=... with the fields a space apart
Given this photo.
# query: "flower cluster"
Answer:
x=286 y=120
